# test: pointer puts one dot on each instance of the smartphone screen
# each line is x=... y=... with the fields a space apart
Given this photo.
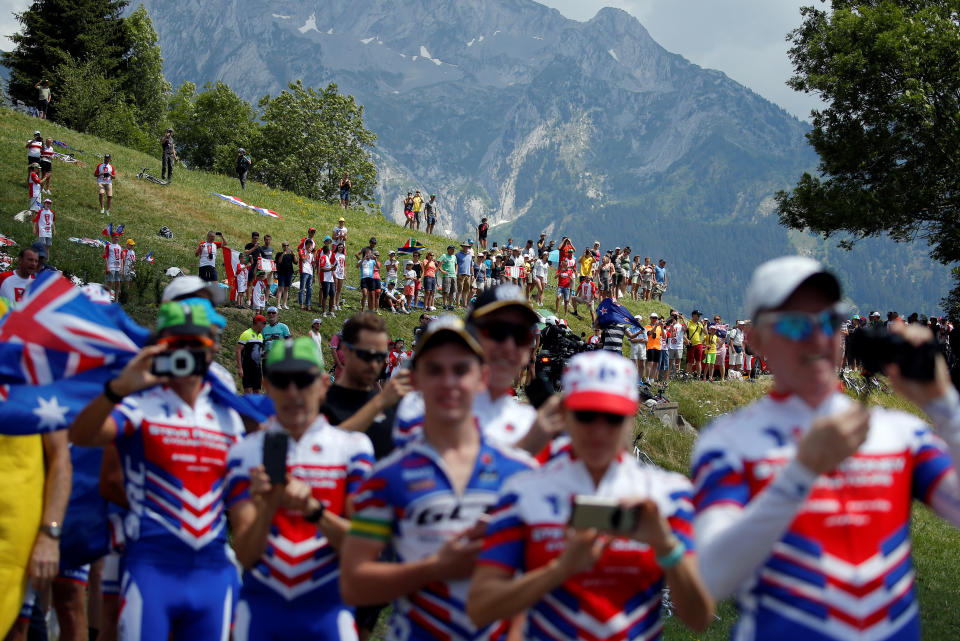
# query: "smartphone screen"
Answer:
x=275 y=456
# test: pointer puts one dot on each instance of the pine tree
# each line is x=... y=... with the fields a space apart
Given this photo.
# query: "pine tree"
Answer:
x=56 y=31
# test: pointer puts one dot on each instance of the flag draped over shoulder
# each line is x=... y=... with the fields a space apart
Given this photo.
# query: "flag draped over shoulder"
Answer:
x=610 y=313
x=263 y=211
x=58 y=348
x=231 y=259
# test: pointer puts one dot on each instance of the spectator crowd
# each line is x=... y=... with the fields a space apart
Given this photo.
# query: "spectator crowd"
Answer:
x=417 y=477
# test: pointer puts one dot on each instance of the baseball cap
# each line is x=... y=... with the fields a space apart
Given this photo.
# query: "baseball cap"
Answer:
x=444 y=329
x=640 y=316
x=654 y=315
x=450 y=247
x=465 y=243
x=36 y=133
x=312 y=229
x=271 y=309
x=373 y=239
x=183 y=286
x=342 y=220
x=695 y=312
x=106 y=155
x=874 y=314
x=327 y=239
x=393 y=251
x=131 y=242
x=776 y=280
x=184 y=318
x=47 y=200
x=39 y=248
x=294 y=355
x=259 y=318
x=241 y=150
x=500 y=297
x=316 y=320
x=34 y=164
x=600 y=381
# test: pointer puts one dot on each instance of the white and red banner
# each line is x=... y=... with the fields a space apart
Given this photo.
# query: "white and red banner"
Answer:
x=263 y=211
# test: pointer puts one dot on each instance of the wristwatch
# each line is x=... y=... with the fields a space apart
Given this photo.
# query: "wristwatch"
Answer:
x=52 y=529
x=316 y=515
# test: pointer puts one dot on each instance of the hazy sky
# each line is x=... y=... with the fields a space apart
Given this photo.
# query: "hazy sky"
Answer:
x=743 y=38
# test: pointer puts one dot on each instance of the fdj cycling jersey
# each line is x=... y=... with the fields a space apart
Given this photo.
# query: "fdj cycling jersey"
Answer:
x=842 y=570
x=409 y=503
x=286 y=594
x=619 y=597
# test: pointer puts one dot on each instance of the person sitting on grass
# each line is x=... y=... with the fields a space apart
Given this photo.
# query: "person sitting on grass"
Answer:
x=391 y=298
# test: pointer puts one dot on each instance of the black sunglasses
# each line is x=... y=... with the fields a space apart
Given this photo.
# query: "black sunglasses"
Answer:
x=368 y=355
x=499 y=331
x=590 y=416
x=282 y=380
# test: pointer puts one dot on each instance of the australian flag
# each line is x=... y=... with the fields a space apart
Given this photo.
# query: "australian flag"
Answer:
x=610 y=313
x=58 y=348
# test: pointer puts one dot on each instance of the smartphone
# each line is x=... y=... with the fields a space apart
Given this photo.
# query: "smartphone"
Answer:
x=275 y=456
x=606 y=515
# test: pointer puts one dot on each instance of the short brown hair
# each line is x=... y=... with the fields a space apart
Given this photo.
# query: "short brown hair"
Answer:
x=363 y=321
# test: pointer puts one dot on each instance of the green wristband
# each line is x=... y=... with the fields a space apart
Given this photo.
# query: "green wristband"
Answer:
x=674 y=557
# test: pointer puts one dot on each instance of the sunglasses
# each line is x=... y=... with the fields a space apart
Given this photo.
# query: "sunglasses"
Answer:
x=282 y=380
x=366 y=355
x=590 y=416
x=799 y=326
x=500 y=331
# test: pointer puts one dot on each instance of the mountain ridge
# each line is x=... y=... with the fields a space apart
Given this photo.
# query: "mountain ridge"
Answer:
x=509 y=110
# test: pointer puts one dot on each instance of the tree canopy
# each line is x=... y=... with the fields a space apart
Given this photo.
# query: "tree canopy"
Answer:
x=889 y=136
x=309 y=138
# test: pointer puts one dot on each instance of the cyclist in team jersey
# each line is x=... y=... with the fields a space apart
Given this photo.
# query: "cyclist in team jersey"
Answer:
x=287 y=535
x=803 y=498
x=425 y=501
x=173 y=437
x=503 y=322
x=571 y=583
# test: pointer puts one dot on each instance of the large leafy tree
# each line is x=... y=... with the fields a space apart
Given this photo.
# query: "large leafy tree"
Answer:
x=52 y=32
x=210 y=126
x=143 y=83
x=309 y=138
x=889 y=135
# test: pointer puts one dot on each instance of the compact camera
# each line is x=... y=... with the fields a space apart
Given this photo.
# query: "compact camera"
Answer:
x=875 y=348
x=180 y=362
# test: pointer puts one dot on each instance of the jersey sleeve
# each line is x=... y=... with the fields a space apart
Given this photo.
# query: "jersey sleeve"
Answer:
x=504 y=540
x=931 y=462
x=360 y=464
x=128 y=417
x=679 y=509
x=718 y=478
x=373 y=509
x=239 y=462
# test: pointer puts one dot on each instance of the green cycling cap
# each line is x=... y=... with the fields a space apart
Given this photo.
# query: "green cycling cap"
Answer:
x=184 y=318
x=294 y=355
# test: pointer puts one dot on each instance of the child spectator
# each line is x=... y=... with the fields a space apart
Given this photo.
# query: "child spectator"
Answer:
x=339 y=273
x=128 y=261
x=410 y=284
x=565 y=279
x=113 y=257
x=241 y=276
x=44 y=226
x=258 y=293
x=34 y=187
x=586 y=294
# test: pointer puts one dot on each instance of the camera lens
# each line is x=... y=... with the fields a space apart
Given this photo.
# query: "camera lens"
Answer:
x=182 y=363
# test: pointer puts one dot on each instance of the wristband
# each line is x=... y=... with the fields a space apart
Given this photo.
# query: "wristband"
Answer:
x=673 y=557
x=316 y=515
x=111 y=396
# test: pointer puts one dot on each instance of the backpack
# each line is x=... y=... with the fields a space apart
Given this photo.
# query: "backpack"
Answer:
x=166 y=232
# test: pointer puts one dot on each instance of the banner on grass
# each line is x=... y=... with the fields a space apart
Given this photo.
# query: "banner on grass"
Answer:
x=263 y=211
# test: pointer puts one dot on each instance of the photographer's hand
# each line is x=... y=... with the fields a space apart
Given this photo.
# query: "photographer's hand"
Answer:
x=136 y=375
x=919 y=392
x=833 y=438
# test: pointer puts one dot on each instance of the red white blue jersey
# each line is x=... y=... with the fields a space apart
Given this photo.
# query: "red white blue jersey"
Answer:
x=299 y=560
x=619 y=598
x=843 y=568
x=174 y=466
x=503 y=421
x=113 y=255
x=409 y=503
